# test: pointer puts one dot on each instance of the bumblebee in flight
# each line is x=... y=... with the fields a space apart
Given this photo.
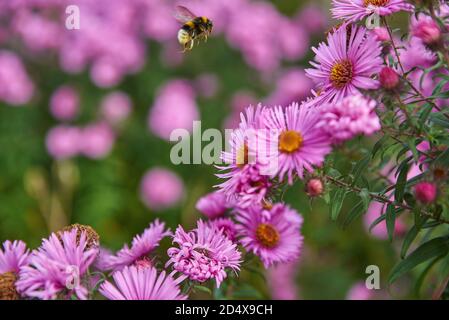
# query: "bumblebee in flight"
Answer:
x=193 y=28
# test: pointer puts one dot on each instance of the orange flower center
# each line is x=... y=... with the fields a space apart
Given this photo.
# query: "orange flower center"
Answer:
x=267 y=235
x=341 y=73
x=7 y=286
x=290 y=141
x=377 y=3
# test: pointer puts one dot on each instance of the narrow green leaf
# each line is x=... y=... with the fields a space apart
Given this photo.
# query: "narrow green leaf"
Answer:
x=436 y=247
x=337 y=202
x=202 y=289
x=355 y=212
x=423 y=274
x=443 y=158
x=378 y=145
x=390 y=219
x=400 y=184
x=359 y=168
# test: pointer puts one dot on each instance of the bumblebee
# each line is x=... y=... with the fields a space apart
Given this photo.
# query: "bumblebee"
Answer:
x=193 y=28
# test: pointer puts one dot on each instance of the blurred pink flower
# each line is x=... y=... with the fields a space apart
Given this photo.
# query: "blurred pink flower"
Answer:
x=426 y=29
x=64 y=103
x=161 y=189
x=359 y=291
x=426 y=192
x=63 y=141
x=312 y=18
x=116 y=107
x=225 y=225
x=97 y=140
x=281 y=279
x=174 y=108
x=212 y=205
x=16 y=88
x=375 y=210
x=207 y=85
x=291 y=85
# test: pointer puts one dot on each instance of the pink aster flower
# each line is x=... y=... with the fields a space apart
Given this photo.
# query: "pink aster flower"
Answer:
x=212 y=205
x=142 y=245
x=352 y=116
x=64 y=103
x=115 y=107
x=359 y=291
x=161 y=189
x=226 y=225
x=57 y=267
x=174 y=108
x=97 y=140
x=63 y=141
x=282 y=281
x=375 y=210
x=16 y=87
x=273 y=234
x=346 y=63
x=300 y=142
x=355 y=10
x=246 y=182
x=13 y=256
x=133 y=283
x=203 y=253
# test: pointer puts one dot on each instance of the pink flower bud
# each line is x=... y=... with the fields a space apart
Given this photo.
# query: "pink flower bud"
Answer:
x=427 y=30
x=389 y=79
x=426 y=192
x=64 y=103
x=314 y=187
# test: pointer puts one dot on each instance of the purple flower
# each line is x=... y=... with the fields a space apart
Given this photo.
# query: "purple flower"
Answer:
x=16 y=88
x=64 y=103
x=133 y=283
x=426 y=192
x=174 y=108
x=426 y=29
x=97 y=140
x=282 y=281
x=352 y=116
x=346 y=63
x=273 y=234
x=161 y=189
x=63 y=141
x=212 y=205
x=299 y=143
x=142 y=246
x=226 y=226
x=13 y=256
x=56 y=269
x=354 y=10
x=359 y=291
x=116 y=107
x=203 y=253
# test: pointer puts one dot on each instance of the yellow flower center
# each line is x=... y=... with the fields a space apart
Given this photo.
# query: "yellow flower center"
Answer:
x=267 y=235
x=290 y=141
x=377 y=3
x=242 y=156
x=341 y=73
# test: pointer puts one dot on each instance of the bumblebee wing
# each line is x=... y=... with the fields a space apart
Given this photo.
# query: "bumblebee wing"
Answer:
x=182 y=14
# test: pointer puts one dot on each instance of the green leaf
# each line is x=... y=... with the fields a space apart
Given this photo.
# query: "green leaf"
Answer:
x=413 y=232
x=443 y=158
x=247 y=291
x=359 y=168
x=378 y=145
x=337 y=202
x=355 y=212
x=400 y=184
x=202 y=289
x=423 y=274
x=390 y=219
x=436 y=247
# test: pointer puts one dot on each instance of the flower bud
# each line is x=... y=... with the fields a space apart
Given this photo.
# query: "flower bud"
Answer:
x=314 y=187
x=388 y=78
x=426 y=192
x=427 y=30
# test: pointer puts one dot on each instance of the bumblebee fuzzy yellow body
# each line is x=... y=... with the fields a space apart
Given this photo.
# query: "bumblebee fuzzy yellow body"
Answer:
x=199 y=27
